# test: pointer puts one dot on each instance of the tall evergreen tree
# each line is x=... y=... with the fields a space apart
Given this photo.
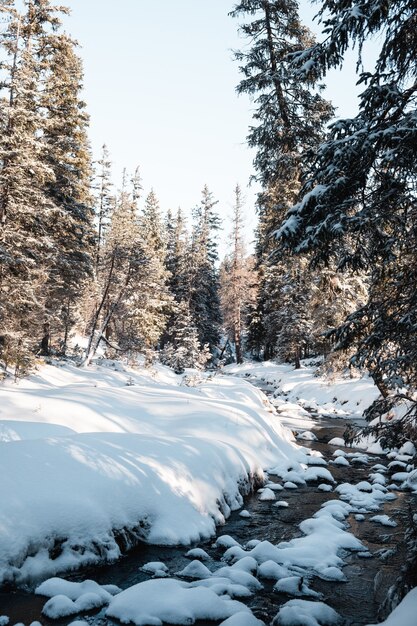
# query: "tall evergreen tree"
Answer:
x=290 y=117
x=203 y=279
x=27 y=211
x=237 y=280
x=104 y=200
x=359 y=206
x=67 y=153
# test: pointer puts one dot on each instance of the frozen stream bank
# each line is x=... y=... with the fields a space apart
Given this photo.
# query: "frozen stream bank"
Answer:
x=262 y=559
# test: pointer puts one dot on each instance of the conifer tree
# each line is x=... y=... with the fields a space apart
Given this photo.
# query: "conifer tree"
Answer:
x=359 y=202
x=290 y=117
x=26 y=210
x=104 y=200
x=67 y=153
x=183 y=349
x=236 y=280
x=203 y=280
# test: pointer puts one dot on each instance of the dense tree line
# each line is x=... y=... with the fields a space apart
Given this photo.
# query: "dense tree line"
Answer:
x=336 y=238
x=75 y=255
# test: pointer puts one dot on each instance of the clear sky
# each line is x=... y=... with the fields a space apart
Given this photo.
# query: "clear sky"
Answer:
x=160 y=87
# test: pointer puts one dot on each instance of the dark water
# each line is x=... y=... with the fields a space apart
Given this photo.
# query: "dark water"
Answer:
x=358 y=600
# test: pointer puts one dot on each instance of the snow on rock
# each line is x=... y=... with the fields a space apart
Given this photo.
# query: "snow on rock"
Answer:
x=306 y=613
x=307 y=435
x=92 y=458
x=318 y=473
x=225 y=542
x=156 y=568
x=340 y=460
x=73 y=591
x=4 y=620
x=290 y=485
x=295 y=586
x=404 y=614
x=198 y=553
x=325 y=535
x=364 y=497
x=274 y=486
x=281 y=504
x=336 y=441
x=242 y=619
x=245 y=514
x=196 y=569
x=156 y=601
x=272 y=571
x=267 y=495
x=385 y=520
x=325 y=487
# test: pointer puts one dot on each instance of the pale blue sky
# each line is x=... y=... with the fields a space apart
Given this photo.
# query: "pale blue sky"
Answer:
x=160 y=87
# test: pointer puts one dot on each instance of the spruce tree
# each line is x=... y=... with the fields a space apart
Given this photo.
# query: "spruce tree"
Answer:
x=26 y=209
x=289 y=119
x=236 y=280
x=67 y=153
x=104 y=200
x=183 y=349
x=359 y=202
x=203 y=279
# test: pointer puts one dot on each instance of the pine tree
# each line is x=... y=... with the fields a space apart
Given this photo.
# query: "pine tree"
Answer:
x=26 y=209
x=183 y=349
x=290 y=117
x=176 y=259
x=104 y=200
x=359 y=201
x=236 y=280
x=203 y=280
x=67 y=153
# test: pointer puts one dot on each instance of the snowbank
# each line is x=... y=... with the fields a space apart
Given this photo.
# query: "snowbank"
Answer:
x=94 y=459
x=342 y=397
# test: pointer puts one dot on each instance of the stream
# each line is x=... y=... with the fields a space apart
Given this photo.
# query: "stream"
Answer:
x=358 y=601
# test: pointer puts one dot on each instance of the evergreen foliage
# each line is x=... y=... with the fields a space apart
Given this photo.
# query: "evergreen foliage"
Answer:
x=359 y=203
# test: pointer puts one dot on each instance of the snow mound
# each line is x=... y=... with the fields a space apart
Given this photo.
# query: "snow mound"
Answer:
x=156 y=568
x=306 y=613
x=156 y=601
x=197 y=553
x=196 y=569
x=242 y=619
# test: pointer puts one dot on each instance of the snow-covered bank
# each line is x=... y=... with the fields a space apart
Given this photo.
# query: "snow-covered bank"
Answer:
x=93 y=459
x=341 y=397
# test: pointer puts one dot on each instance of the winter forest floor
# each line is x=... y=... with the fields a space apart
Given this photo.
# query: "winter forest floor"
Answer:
x=96 y=462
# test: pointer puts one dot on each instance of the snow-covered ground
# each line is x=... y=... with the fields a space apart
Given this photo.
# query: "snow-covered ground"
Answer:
x=87 y=452
x=91 y=455
x=337 y=397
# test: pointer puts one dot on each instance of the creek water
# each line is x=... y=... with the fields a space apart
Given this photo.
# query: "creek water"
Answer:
x=359 y=600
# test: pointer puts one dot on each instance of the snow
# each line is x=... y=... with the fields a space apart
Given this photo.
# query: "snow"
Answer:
x=245 y=514
x=156 y=568
x=305 y=613
x=197 y=553
x=156 y=601
x=84 y=454
x=385 y=520
x=196 y=569
x=343 y=396
x=405 y=613
x=341 y=460
x=242 y=619
x=294 y=586
x=267 y=495
x=73 y=591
